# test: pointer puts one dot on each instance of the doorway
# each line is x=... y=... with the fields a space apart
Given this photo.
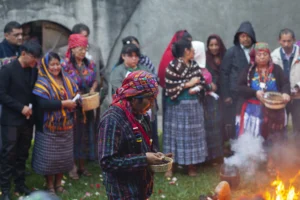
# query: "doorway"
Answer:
x=49 y=34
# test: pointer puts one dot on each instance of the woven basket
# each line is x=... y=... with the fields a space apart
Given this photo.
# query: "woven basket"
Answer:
x=274 y=100
x=90 y=101
x=163 y=167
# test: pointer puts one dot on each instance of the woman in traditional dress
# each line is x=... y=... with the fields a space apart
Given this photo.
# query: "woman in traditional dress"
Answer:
x=212 y=106
x=184 y=133
x=256 y=119
x=262 y=76
x=83 y=72
x=125 y=149
x=53 y=146
x=168 y=55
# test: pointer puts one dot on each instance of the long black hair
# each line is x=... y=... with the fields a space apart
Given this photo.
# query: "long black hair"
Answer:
x=179 y=47
x=73 y=60
x=128 y=49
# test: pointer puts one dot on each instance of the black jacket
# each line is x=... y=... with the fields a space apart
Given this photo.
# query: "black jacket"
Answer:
x=16 y=85
x=245 y=92
x=234 y=62
x=8 y=50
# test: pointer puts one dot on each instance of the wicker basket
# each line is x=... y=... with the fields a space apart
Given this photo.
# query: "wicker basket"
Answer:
x=274 y=100
x=90 y=101
x=163 y=167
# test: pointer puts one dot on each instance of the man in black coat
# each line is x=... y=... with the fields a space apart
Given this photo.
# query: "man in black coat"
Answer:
x=10 y=47
x=234 y=61
x=17 y=80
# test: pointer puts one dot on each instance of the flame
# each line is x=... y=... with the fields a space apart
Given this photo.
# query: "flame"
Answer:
x=280 y=192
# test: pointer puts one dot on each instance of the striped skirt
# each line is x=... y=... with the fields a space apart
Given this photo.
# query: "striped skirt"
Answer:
x=53 y=152
x=184 y=133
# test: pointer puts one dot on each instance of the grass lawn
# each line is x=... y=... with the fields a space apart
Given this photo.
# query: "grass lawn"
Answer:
x=186 y=188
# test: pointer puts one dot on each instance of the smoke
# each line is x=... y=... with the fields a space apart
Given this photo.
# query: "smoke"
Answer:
x=249 y=154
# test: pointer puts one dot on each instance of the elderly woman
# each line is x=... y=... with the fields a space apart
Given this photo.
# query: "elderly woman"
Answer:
x=262 y=76
x=53 y=147
x=125 y=147
x=83 y=72
x=215 y=51
x=184 y=133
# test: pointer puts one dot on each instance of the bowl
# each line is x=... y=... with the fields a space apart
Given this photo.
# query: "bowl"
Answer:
x=231 y=175
x=164 y=167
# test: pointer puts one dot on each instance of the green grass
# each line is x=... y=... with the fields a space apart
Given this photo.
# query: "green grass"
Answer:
x=187 y=188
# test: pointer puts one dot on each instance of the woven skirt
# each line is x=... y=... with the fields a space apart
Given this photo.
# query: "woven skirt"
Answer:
x=53 y=152
x=184 y=132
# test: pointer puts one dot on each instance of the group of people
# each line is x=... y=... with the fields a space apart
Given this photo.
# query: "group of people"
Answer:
x=208 y=97
x=39 y=91
x=209 y=94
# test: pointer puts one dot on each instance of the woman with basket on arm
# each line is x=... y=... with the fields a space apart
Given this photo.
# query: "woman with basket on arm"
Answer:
x=83 y=72
x=263 y=93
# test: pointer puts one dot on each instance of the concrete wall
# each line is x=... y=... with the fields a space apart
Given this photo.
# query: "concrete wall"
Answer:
x=154 y=22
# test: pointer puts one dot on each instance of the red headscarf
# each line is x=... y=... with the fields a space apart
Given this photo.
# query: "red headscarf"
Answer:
x=135 y=84
x=210 y=57
x=138 y=83
x=76 y=40
x=168 y=57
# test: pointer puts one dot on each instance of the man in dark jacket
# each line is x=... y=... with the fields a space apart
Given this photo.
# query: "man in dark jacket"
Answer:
x=10 y=46
x=234 y=61
x=17 y=80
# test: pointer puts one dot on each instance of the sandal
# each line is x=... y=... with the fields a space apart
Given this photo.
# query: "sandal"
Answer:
x=51 y=190
x=60 y=189
x=192 y=170
x=73 y=174
x=169 y=174
x=84 y=172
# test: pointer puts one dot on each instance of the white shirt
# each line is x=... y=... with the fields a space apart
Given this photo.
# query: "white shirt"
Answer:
x=247 y=52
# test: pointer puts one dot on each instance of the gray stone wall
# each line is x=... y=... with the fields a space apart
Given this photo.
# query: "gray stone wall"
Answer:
x=154 y=22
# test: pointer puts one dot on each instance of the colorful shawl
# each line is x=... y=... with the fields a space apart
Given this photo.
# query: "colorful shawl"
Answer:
x=210 y=57
x=83 y=76
x=138 y=83
x=47 y=88
x=177 y=74
x=274 y=120
x=168 y=56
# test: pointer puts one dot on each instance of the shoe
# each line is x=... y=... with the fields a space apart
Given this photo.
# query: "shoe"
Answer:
x=23 y=189
x=192 y=170
x=5 y=196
